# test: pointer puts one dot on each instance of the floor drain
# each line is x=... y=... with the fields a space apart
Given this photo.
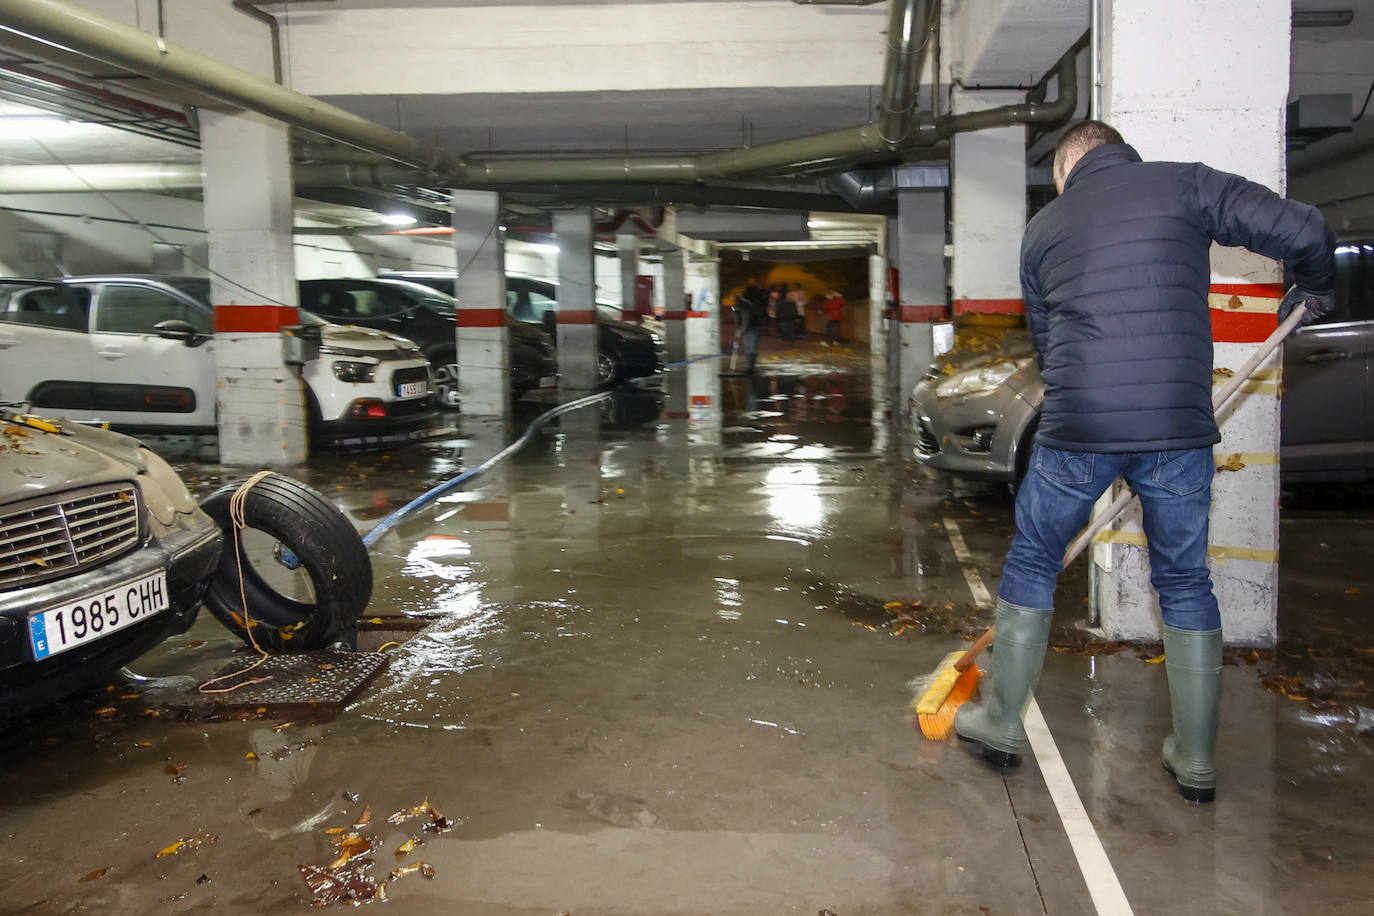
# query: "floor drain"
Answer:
x=306 y=685
x=390 y=631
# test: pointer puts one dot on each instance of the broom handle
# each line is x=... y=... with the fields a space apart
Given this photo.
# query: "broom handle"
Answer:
x=1271 y=343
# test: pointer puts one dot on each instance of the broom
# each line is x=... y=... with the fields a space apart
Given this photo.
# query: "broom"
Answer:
x=941 y=694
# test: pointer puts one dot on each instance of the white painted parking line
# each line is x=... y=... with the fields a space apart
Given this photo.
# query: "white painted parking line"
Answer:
x=975 y=582
x=1103 y=885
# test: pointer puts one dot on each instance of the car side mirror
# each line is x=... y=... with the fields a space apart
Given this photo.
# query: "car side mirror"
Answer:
x=176 y=329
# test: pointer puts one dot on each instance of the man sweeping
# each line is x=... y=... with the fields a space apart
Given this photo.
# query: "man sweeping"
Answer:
x=1114 y=275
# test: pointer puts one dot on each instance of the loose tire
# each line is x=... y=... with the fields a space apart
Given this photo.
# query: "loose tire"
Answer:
x=326 y=546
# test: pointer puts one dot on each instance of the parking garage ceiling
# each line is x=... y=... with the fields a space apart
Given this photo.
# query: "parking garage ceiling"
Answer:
x=1020 y=41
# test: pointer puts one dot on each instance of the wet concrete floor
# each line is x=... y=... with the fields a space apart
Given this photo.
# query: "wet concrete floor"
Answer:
x=668 y=674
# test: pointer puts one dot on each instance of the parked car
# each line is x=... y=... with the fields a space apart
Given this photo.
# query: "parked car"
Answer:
x=976 y=412
x=426 y=315
x=624 y=350
x=137 y=352
x=103 y=554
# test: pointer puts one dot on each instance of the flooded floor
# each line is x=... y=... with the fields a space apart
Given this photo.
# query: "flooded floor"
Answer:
x=665 y=671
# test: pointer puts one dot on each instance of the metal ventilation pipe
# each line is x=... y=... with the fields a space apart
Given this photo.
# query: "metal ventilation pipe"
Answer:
x=59 y=24
x=910 y=25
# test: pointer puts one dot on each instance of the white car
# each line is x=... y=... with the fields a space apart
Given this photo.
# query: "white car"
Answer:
x=138 y=353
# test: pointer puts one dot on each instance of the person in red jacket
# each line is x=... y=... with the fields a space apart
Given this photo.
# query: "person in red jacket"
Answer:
x=833 y=307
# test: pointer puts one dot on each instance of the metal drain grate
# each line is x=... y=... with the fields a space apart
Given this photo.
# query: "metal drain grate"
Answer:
x=315 y=685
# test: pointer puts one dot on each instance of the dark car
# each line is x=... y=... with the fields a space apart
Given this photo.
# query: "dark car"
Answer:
x=976 y=412
x=426 y=316
x=103 y=554
x=624 y=350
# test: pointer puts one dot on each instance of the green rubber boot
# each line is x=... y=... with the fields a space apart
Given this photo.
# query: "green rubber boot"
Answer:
x=1192 y=659
x=1018 y=652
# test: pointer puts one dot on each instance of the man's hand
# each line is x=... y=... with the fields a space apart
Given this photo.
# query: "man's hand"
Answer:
x=1318 y=304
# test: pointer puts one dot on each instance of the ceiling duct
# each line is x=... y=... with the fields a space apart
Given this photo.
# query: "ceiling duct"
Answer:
x=65 y=27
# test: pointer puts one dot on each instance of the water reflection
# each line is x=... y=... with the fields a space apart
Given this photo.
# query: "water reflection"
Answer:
x=794 y=498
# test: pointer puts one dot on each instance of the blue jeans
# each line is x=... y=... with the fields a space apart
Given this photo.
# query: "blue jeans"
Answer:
x=1057 y=496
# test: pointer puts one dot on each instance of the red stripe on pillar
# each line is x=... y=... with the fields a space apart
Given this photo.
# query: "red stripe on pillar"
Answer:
x=252 y=319
x=481 y=318
x=988 y=307
x=701 y=400
x=674 y=316
x=576 y=316
x=1244 y=327
x=698 y=314
x=677 y=415
x=918 y=314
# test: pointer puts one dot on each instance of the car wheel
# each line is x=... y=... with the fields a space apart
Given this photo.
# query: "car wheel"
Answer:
x=446 y=383
x=288 y=525
x=607 y=368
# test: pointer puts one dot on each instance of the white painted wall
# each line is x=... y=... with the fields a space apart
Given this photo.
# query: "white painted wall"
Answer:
x=581 y=48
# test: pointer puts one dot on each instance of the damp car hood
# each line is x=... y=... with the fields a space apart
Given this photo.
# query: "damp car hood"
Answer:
x=360 y=339
x=34 y=461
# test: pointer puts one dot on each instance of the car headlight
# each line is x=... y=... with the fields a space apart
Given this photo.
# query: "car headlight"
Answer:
x=163 y=492
x=347 y=370
x=657 y=338
x=980 y=382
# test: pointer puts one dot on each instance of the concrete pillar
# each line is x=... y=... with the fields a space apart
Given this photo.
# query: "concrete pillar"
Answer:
x=703 y=319
x=577 y=323
x=921 y=270
x=483 y=349
x=248 y=214
x=1222 y=103
x=988 y=181
x=627 y=246
x=674 y=306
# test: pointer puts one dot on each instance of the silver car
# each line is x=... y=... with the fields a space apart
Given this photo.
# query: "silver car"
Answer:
x=976 y=412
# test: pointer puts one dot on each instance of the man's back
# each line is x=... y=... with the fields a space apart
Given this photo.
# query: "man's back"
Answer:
x=1115 y=274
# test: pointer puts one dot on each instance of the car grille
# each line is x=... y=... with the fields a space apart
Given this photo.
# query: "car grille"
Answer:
x=66 y=532
x=413 y=374
x=926 y=441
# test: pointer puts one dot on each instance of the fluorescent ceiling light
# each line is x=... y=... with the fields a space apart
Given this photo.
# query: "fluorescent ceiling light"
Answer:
x=399 y=219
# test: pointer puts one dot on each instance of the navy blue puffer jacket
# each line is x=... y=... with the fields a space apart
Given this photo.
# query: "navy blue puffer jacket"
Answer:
x=1115 y=273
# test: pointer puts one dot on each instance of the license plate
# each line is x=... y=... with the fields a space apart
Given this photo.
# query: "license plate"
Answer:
x=99 y=615
x=412 y=389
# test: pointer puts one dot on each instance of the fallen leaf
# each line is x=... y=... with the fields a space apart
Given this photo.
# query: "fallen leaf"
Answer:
x=406 y=848
x=423 y=868
x=406 y=814
x=170 y=850
x=143 y=744
x=283 y=726
x=97 y=874
x=106 y=711
x=365 y=818
x=192 y=842
x=892 y=604
x=250 y=756
x=1353 y=592
x=1155 y=660
x=195 y=644
x=175 y=769
x=255 y=812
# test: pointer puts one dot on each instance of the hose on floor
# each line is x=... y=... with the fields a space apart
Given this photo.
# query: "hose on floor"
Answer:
x=434 y=493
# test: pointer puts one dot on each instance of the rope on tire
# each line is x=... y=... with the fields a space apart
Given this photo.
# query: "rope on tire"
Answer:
x=238 y=515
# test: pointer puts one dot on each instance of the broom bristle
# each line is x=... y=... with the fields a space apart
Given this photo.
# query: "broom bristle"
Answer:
x=937 y=725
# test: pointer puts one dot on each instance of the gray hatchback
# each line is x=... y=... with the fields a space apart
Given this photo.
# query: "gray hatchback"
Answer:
x=976 y=412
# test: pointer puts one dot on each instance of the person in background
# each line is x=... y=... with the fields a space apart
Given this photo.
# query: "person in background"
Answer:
x=800 y=298
x=786 y=313
x=750 y=315
x=833 y=308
